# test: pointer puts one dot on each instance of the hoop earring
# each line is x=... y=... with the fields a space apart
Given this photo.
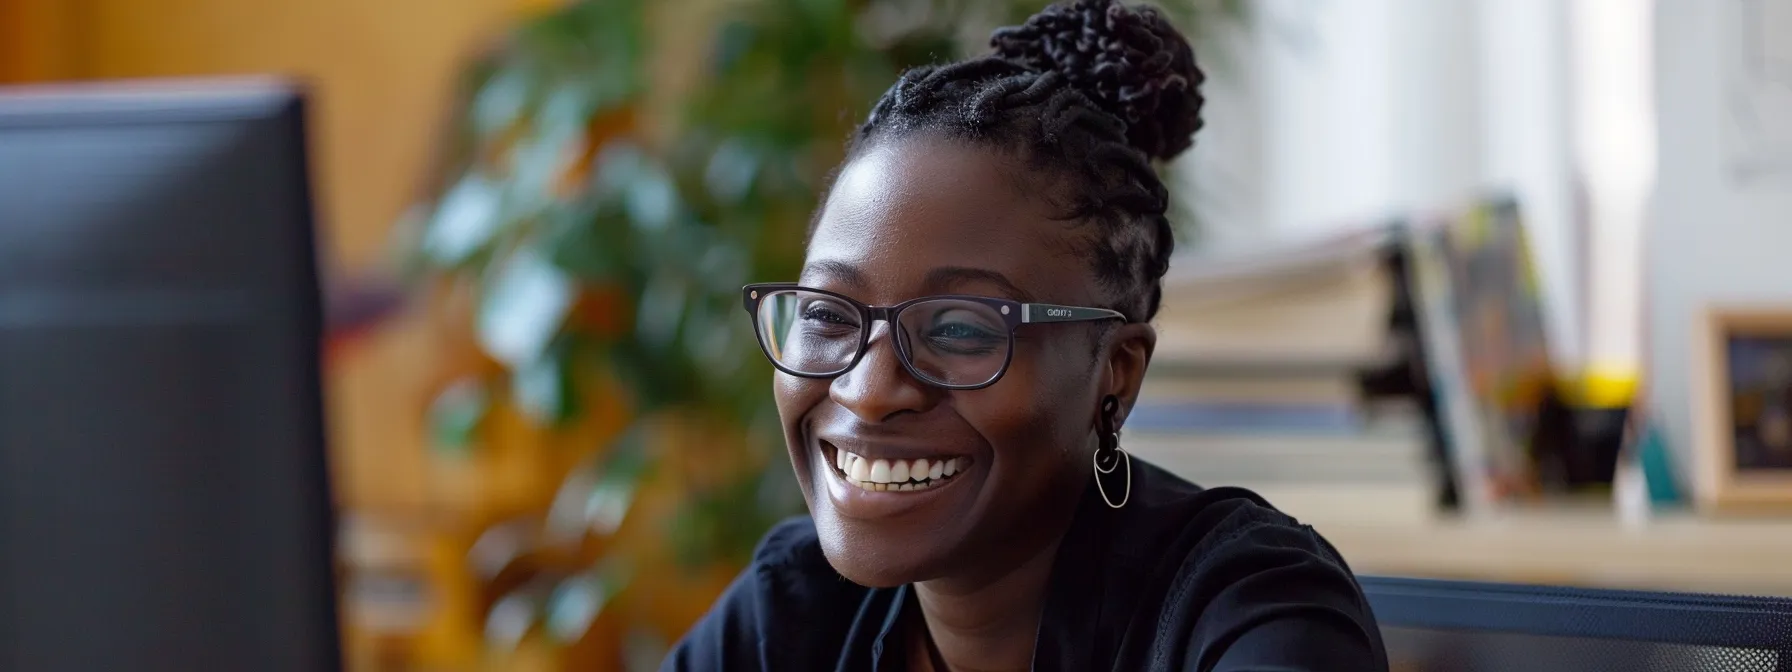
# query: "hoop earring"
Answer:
x=1109 y=456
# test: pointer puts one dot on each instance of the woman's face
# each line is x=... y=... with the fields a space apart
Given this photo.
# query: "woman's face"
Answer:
x=923 y=217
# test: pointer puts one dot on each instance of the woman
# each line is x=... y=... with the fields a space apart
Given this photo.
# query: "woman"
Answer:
x=955 y=364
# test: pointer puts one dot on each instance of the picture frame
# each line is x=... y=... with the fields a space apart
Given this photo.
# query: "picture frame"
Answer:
x=1742 y=376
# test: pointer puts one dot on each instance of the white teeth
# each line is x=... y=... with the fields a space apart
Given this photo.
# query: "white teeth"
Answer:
x=894 y=475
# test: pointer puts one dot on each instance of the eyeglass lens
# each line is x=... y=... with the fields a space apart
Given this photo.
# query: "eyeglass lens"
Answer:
x=948 y=342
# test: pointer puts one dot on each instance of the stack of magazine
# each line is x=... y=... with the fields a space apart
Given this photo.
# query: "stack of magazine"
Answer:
x=1259 y=381
x=1377 y=376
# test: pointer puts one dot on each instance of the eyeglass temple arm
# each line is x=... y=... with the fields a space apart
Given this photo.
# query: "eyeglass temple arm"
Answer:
x=1033 y=313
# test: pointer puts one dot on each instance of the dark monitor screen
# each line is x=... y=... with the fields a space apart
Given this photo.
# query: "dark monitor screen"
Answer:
x=163 y=494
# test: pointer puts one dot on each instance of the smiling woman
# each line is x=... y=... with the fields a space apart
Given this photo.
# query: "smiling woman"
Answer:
x=970 y=329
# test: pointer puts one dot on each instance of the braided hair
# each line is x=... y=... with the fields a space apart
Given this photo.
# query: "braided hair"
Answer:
x=1089 y=92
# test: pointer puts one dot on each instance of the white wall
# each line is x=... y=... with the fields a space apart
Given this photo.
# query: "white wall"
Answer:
x=1528 y=107
x=1614 y=140
x=1329 y=109
x=1721 y=232
x=1352 y=112
x=1223 y=172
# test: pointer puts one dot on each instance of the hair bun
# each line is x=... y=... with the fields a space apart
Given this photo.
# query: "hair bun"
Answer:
x=1130 y=61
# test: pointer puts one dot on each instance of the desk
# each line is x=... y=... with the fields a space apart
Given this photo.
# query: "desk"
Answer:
x=1680 y=553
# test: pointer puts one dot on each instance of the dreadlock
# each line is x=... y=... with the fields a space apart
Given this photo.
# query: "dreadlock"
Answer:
x=1090 y=92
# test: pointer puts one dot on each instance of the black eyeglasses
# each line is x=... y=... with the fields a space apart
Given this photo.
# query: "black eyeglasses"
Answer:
x=954 y=342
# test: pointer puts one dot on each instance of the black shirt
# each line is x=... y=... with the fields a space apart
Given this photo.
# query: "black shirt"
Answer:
x=1181 y=578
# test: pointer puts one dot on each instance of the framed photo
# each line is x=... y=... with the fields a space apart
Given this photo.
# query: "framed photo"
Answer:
x=1742 y=370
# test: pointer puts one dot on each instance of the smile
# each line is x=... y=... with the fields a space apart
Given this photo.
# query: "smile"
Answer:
x=881 y=475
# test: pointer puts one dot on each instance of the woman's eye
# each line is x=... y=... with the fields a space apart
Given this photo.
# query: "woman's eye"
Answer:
x=963 y=337
x=825 y=312
x=960 y=330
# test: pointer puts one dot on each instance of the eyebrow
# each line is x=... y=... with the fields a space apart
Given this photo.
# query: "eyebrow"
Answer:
x=943 y=278
x=939 y=280
x=836 y=270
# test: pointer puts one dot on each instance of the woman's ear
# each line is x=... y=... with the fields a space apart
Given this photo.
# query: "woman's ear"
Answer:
x=1128 y=354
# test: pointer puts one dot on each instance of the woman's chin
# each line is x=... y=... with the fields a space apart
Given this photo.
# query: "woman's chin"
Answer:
x=876 y=560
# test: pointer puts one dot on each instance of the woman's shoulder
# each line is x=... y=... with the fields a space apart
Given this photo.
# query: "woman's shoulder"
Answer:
x=1172 y=510
x=790 y=573
x=1183 y=528
x=782 y=607
x=791 y=545
x=1241 y=579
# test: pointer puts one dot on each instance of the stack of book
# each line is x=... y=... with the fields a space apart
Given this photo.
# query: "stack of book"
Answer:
x=1260 y=381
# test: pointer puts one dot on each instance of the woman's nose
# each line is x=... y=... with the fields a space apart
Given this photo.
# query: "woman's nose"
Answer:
x=879 y=386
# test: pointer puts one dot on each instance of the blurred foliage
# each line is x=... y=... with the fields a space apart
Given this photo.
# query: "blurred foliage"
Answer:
x=605 y=241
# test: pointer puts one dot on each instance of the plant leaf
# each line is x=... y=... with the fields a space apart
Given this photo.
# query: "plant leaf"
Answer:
x=662 y=309
x=596 y=498
x=613 y=496
x=456 y=414
x=544 y=388
x=731 y=171
x=733 y=41
x=593 y=240
x=653 y=379
x=652 y=199
x=465 y=221
x=523 y=307
x=515 y=614
x=577 y=602
x=501 y=101
x=501 y=545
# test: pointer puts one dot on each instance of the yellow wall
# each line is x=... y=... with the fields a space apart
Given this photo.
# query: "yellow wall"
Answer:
x=381 y=72
x=32 y=36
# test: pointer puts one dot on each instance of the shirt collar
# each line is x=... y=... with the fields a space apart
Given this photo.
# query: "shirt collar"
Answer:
x=1069 y=630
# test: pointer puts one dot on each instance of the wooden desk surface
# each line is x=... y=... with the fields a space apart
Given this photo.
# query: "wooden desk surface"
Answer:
x=1681 y=553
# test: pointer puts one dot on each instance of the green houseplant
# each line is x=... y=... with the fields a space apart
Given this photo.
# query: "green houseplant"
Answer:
x=603 y=231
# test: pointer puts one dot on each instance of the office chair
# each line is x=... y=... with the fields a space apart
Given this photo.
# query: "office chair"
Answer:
x=1471 y=626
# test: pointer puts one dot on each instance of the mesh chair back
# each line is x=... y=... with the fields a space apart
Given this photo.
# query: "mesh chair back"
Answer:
x=1473 y=626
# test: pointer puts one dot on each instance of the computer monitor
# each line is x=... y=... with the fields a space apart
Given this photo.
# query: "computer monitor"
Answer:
x=163 y=495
